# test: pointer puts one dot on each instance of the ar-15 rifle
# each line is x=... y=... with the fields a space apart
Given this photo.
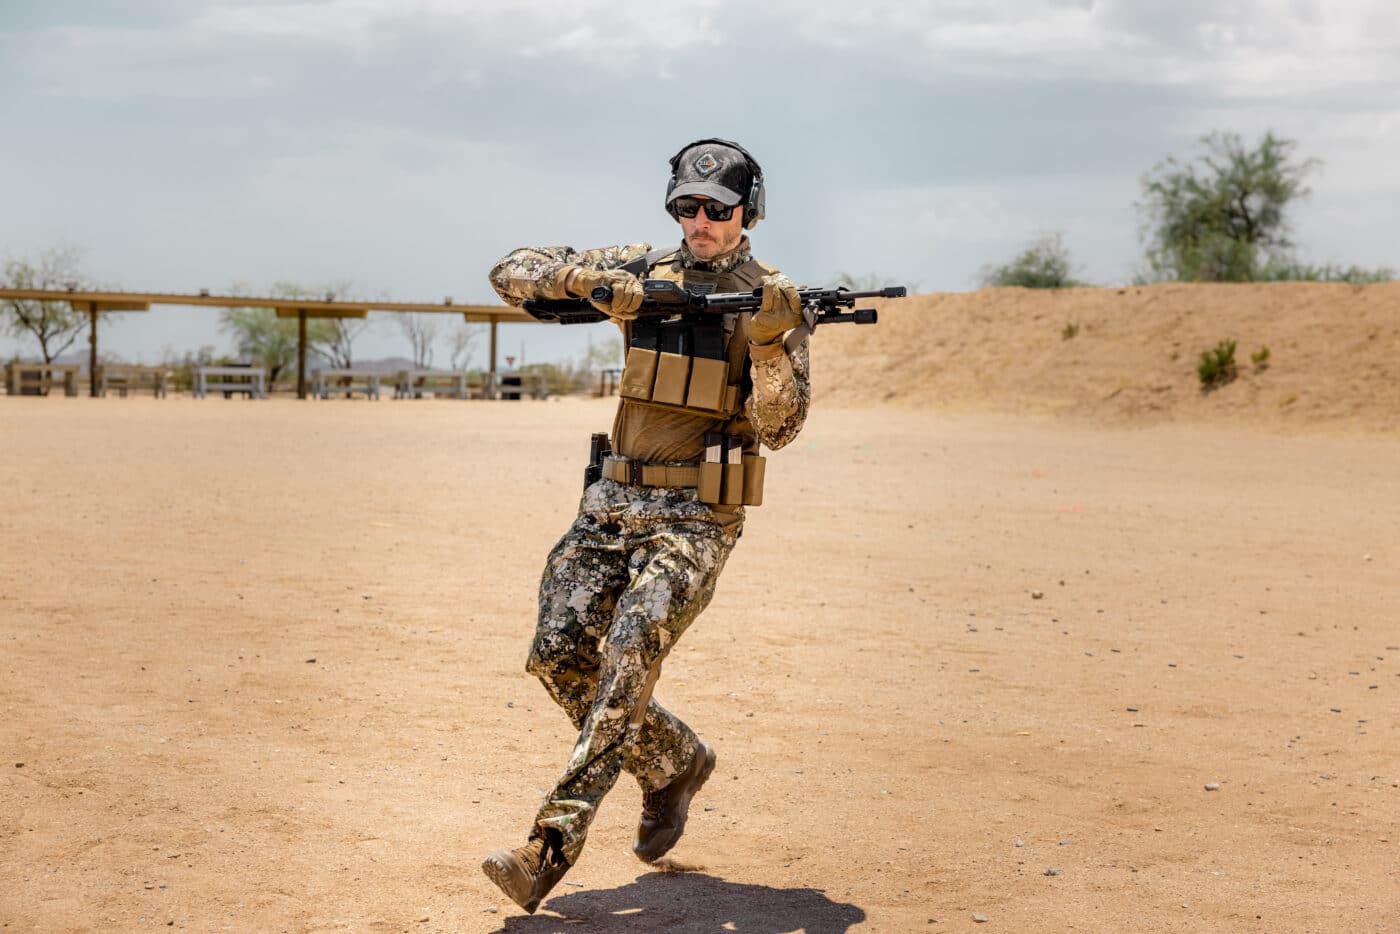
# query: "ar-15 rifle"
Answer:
x=665 y=298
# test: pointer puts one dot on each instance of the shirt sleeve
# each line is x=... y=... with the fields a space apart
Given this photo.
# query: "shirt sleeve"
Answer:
x=536 y=271
x=782 y=392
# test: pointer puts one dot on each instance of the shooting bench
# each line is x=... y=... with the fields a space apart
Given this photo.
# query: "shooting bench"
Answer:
x=252 y=381
x=36 y=379
x=609 y=381
x=415 y=384
x=121 y=378
x=326 y=382
x=516 y=386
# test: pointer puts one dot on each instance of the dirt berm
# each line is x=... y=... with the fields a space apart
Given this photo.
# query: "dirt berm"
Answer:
x=1129 y=355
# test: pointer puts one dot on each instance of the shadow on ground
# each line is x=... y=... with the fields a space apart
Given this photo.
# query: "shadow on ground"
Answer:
x=689 y=903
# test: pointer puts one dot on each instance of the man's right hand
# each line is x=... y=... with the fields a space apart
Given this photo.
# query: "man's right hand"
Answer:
x=627 y=293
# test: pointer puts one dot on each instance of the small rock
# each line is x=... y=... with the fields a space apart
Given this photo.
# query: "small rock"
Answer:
x=422 y=919
x=1212 y=786
x=1037 y=594
x=19 y=765
x=577 y=885
x=1131 y=709
x=1051 y=872
x=311 y=661
x=979 y=919
x=1020 y=843
x=1365 y=557
x=489 y=910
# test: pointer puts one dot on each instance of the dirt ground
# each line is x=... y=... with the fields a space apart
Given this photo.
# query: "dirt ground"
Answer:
x=1127 y=357
x=261 y=669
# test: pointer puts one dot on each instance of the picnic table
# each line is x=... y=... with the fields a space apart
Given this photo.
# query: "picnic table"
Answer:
x=327 y=381
x=122 y=377
x=252 y=381
x=36 y=379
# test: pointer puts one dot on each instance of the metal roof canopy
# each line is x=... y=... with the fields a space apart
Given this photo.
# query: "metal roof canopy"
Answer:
x=95 y=303
x=313 y=311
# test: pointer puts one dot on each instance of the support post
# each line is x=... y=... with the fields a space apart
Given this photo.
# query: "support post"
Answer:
x=92 y=349
x=494 y=384
x=301 y=354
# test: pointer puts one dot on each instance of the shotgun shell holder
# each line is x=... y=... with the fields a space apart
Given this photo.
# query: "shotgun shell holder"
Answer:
x=711 y=470
x=754 y=467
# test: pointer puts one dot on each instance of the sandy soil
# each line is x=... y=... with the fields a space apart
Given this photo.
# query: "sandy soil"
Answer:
x=1333 y=354
x=262 y=670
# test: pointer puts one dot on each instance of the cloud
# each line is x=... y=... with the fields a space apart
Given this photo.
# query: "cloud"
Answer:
x=227 y=49
x=1237 y=49
x=1241 y=48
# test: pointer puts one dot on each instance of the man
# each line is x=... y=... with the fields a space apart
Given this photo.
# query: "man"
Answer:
x=641 y=560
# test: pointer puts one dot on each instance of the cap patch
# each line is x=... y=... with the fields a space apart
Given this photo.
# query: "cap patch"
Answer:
x=706 y=164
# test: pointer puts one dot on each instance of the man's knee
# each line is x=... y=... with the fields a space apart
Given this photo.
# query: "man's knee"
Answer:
x=565 y=665
x=549 y=658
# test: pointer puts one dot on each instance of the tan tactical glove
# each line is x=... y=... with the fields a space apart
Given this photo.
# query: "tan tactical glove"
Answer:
x=779 y=312
x=626 y=288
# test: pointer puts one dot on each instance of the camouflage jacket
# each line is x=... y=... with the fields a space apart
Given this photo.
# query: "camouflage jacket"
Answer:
x=782 y=389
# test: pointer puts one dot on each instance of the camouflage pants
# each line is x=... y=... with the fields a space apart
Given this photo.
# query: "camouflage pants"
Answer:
x=633 y=571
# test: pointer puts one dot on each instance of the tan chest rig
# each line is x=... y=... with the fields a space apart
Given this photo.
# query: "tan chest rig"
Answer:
x=692 y=363
x=699 y=364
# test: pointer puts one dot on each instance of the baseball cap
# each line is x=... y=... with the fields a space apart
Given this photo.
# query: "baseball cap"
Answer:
x=713 y=170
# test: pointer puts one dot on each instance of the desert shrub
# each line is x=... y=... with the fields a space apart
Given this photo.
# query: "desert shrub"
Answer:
x=1217 y=367
x=1260 y=359
x=1069 y=331
x=1291 y=270
x=1044 y=264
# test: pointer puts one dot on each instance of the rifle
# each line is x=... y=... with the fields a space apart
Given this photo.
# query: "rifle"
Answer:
x=665 y=298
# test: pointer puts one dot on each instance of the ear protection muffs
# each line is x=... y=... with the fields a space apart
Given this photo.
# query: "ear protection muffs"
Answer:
x=753 y=204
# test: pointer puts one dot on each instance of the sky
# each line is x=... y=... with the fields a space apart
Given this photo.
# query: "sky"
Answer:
x=403 y=146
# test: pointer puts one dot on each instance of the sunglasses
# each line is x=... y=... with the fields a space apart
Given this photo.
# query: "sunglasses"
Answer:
x=689 y=207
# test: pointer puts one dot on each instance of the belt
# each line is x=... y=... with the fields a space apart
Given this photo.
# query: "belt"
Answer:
x=637 y=473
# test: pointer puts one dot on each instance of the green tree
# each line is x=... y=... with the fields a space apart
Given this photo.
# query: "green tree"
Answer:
x=1223 y=217
x=263 y=337
x=1044 y=264
x=260 y=335
x=55 y=325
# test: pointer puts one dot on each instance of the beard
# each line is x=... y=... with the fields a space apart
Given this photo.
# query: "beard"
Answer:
x=707 y=246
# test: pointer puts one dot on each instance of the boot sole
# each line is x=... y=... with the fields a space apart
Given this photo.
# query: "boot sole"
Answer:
x=704 y=776
x=511 y=876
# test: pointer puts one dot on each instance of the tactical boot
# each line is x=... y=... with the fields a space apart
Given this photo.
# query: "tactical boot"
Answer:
x=526 y=873
x=664 y=811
